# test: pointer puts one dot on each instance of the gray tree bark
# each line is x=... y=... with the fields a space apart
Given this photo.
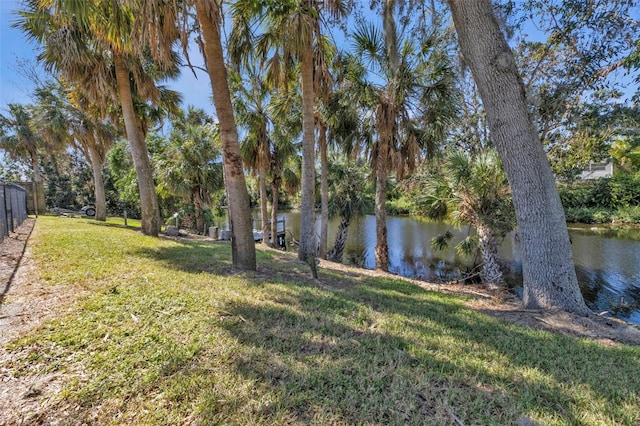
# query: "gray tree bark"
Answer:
x=243 y=248
x=307 y=247
x=98 y=182
x=548 y=272
x=264 y=212
x=275 y=192
x=324 y=190
x=149 y=208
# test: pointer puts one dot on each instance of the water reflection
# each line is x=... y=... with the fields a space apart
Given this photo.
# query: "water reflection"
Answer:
x=607 y=260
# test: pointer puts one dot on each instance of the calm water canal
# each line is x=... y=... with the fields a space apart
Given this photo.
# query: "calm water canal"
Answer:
x=607 y=260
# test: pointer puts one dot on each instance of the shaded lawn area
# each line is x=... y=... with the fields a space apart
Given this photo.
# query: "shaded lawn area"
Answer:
x=168 y=333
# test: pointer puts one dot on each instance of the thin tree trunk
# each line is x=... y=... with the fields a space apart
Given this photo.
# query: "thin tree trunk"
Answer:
x=37 y=180
x=264 y=159
x=491 y=272
x=382 y=247
x=324 y=190
x=275 y=189
x=149 y=207
x=98 y=183
x=242 y=243
x=307 y=247
x=264 y=213
x=549 y=276
x=341 y=241
x=35 y=166
x=385 y=118
x=197 y=210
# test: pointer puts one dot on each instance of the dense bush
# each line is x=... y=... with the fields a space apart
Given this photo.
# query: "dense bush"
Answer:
x=627 y=215
x=400 y=206
x=622 y=190
x=588 y=215
x=625 y=190
x=593 y=194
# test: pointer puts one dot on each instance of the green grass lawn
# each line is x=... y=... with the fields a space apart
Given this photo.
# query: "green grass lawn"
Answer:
x=169 y=334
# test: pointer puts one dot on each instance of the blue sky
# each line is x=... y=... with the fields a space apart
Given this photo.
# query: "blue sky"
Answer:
x=15 y=88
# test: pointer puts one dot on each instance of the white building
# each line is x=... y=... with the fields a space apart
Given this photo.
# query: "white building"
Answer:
x=597 y=170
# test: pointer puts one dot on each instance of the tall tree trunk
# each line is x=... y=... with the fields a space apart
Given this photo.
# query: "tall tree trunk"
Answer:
x=491 y=272
x=35 y=166
x=98 y=183
x=149 y=207
x=198 y=204
x=264 y=213
x=549 y=276
x=324 y=190
x=37 y=179
x=242 y=243
x=341 y=241
x=307 y=248
x=385 y=120
x=383 y=124
x=275 y=192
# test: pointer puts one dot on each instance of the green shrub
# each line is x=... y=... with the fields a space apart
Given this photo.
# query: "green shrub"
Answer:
x=588 y=215
x=625 y=190
x=400 y=206
x=589 y=194
x=627 y=215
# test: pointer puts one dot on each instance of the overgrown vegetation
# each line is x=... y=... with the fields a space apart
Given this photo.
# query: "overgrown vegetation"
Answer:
x=604 y=200
x=165 y=334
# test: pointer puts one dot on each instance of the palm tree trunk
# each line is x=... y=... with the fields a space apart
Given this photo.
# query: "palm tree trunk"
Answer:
x=549 y=276
x=307 y=248
x=243 y=250
x=197 y=210
x=149 y=207
x=384 y=128
x=324 y=190
x=35 y=166
x=491 y=272
x=275 y=192
x=341 y=241
x=264 y=213
x=37 y=179
x=98 y=183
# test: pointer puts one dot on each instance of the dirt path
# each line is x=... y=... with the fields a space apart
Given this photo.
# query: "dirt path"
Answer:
x=25 y=303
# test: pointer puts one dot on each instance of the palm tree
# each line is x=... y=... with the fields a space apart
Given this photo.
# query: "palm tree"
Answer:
x=92 y=44
x=410 y=101
x=471 y=190
x=324 y=84
x=209 y=14
x=66 y=115
x=290 y=29
x=188 y=166
x=19 y=139
x=251 y=95
x=348 y=200
x=285 y=167
x=157 y=26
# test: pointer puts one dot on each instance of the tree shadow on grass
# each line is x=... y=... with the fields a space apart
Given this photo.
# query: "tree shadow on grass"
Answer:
x=612 y=374
x=203 y=256
x=385 y=351
x=407 y=361
x=112 y=225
